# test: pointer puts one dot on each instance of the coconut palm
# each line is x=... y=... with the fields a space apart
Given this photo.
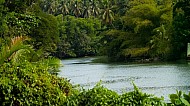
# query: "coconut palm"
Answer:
x=107 y=16
x=64 y=8
x=86 y=10
x=53 y=7
x=95 y=8
x=76 y=8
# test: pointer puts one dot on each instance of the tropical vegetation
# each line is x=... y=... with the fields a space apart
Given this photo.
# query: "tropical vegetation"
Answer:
x=35 y=33
x=123 y=30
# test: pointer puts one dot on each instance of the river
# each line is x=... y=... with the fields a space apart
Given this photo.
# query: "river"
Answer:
x=160 y=79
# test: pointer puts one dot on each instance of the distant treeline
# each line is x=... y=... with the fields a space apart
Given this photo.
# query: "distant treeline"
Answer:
x=121 y=29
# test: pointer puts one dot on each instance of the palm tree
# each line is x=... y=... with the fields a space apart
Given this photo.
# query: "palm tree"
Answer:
x=53 y=7
x=77 y=8
x=70 y=4
x=107 y=15
x=87 y=10
x=95 y=8
x=64 y=8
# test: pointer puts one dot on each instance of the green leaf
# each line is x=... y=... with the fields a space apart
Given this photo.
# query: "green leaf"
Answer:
x=177 y=102
x=185 y=102
x=173 y=98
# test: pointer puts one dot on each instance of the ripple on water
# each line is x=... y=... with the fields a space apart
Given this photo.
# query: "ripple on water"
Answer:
x=160 y=79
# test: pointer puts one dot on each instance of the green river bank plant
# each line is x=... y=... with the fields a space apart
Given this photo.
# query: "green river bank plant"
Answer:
x=25 y=79
x=101 y=96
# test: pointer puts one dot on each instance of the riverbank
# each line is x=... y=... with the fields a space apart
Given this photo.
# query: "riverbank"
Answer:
x=105 y=59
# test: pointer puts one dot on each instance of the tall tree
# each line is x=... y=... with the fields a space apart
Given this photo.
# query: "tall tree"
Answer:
x=53 y=7
x=181 y=15
x=46 y=35
x=86 y=9
x=107 y=15
x=64 y=8
x=78 y=36
x=76 y=8
x=95 y=8
x=146 y=32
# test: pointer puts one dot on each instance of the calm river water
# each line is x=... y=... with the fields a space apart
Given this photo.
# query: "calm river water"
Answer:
x=160 y=79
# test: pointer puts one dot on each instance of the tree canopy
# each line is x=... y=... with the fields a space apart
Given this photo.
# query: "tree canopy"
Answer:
x=120 y=29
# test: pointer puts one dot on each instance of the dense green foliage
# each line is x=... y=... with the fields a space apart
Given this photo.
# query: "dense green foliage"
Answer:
x=78 y=36
x=124 y=30
x=145 y=32
x=101 y=96
x=25 y=77
x=179 y=100
x=31 y=84
x=29 y=20
x=46 y=35
x=181 y=21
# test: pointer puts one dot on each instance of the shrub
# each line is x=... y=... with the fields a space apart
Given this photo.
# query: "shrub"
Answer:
x=138 y=98
x=26 y=81
x=180 y=99
x=101 y=96
x=97 y=96
x=31 y=84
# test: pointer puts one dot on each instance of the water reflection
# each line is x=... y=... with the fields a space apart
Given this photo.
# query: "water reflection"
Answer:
x=160 y=79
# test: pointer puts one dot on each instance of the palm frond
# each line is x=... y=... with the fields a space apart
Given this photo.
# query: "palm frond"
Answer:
x=8 y=51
